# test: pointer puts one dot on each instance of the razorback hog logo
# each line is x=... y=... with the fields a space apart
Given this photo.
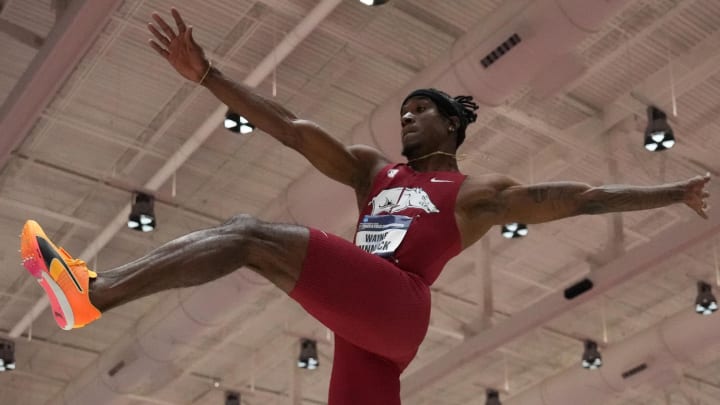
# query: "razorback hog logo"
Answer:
x=400 y=198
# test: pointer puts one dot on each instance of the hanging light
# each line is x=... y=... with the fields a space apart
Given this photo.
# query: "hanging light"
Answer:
x=492 y=397
x=705 y=303
x=308 y=354
x=232 y=398
x=237 y=123
x=514 y=230
x=7 y=355
x=142 y=213
x=373 y=2
x=658 y=134
x=591 y=358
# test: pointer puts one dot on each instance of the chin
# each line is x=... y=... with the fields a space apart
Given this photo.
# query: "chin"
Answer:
x=409 y=149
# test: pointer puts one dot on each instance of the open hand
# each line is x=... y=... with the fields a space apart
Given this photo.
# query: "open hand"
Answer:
x=179 y=49
x=696 y=195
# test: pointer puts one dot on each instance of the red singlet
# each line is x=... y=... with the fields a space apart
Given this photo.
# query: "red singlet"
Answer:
x=374 y=294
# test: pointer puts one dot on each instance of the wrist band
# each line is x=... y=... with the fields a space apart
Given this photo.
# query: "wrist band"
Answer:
x=206 y=72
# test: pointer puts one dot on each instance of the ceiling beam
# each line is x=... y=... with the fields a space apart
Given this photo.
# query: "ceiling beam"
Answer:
x=21 y=34
x=68 y=41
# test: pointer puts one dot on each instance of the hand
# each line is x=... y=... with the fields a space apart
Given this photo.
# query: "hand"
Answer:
x=696 y=196
x=180 y=50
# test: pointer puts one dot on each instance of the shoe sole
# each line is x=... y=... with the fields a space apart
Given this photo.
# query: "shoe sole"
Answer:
x=34 y=263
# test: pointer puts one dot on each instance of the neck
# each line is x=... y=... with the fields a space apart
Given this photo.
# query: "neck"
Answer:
x=434 y=161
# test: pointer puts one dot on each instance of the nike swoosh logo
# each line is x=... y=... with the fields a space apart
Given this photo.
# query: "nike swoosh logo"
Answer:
x=49 y=255
x=434 y=180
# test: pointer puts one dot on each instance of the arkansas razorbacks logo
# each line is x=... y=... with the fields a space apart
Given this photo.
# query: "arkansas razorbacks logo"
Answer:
x=398 y=199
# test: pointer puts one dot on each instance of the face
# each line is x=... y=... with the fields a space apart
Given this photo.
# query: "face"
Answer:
x=424 y=128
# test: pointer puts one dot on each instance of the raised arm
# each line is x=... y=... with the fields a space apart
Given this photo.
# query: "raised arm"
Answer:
x=353 y=166
x=543 y=202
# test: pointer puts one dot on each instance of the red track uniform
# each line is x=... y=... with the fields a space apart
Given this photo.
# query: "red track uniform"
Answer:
x=375 y=294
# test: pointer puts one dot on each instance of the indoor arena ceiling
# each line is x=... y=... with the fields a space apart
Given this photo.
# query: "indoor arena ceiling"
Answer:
x=91 y=116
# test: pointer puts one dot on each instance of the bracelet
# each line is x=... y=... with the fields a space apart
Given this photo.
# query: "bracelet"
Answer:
x=206 y=72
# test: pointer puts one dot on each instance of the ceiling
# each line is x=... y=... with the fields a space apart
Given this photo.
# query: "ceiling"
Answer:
x=120 y=113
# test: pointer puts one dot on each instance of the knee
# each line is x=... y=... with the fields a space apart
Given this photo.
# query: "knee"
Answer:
x=242 y=225
x=240 y=232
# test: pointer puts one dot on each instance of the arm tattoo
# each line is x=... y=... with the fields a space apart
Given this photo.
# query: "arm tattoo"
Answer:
x=600 y=200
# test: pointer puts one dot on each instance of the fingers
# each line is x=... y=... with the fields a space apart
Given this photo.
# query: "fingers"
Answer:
x=159 y=36
x=164 y=26
x=159 y=49
x=178 y=20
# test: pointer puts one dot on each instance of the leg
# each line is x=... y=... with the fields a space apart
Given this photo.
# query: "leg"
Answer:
x=274 y=251
x=363 y=298
x=362 y=378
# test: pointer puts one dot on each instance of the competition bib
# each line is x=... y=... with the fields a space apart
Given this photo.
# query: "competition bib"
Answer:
x=381 y=234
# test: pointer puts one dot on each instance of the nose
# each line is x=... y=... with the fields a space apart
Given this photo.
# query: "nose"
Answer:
x=407 y=118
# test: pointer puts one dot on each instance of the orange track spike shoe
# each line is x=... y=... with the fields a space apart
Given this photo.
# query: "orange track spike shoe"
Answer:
x=65 y=279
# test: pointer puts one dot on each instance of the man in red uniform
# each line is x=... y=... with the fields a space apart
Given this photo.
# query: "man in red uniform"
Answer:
x=373 y=294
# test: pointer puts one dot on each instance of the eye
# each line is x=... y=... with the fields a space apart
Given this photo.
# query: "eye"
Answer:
x=420 y=108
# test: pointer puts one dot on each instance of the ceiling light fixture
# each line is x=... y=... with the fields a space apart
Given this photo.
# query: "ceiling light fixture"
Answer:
x=7 y=355
x=235 y=122
x=232 y=398
x=492 y=397
x=658 y=134
x=591 y=358
x=373 y=2
x=308 y=354
x=705 y=303
x=514 y=230
x=142 y=213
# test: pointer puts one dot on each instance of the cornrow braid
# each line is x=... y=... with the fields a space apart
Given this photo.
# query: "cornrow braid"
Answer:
x=469 y=107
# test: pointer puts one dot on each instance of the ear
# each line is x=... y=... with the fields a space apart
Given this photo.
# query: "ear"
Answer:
x=454 y=123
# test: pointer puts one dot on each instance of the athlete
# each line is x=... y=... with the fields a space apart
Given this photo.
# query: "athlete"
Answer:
x=374 y=294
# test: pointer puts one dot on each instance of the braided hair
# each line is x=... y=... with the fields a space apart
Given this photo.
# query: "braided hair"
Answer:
x=462 y=107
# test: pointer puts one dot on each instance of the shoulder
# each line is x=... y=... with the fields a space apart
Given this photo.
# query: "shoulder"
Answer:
x=483 y=191
x=372 y=159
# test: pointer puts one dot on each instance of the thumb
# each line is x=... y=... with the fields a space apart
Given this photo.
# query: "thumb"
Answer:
x=189 y=36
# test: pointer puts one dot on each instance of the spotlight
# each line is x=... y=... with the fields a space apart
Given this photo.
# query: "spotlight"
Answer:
x=142 y=213
x=493 y=397
x=591 y=358
x=237 y=123
x=373 y=2
x=514 y=230
x=7 y=355
x=705 y=303
x=658 y=134
x=308 y=354
x=232 y=398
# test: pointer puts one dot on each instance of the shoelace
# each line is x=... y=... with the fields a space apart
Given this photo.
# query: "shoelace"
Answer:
x=71 y=261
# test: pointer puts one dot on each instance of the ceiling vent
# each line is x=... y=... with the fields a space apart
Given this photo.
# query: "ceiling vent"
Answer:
x=501 y=50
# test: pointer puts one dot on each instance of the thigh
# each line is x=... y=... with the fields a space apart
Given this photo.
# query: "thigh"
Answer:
x=364 y=299
x=362 y=378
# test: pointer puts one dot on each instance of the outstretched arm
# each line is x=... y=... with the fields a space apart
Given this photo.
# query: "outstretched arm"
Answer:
x=545 y=202
x=353 y=166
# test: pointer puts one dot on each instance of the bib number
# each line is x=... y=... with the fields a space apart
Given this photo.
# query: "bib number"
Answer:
x=381 y=234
